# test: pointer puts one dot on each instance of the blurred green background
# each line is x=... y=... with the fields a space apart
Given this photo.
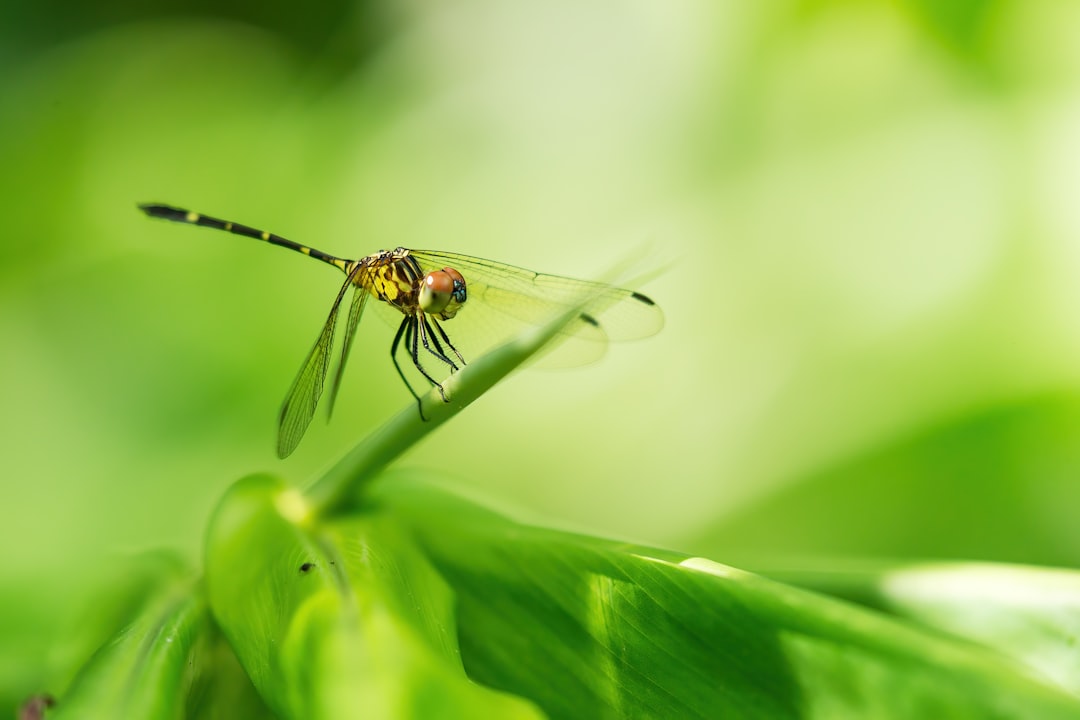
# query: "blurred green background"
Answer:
x=866 y=211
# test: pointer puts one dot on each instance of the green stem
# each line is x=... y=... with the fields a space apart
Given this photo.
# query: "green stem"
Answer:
x=346 y=482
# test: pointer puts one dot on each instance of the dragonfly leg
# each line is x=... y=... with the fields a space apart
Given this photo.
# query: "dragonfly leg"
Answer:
x=405 y=330
x=428 y=334
x=416 y=330
x=446 y=339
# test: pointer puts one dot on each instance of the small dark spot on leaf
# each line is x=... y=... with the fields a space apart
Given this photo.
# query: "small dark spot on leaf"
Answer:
x=35 y=706
x=306 y=567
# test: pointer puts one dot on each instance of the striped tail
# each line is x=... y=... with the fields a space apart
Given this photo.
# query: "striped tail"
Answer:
x=175 y=214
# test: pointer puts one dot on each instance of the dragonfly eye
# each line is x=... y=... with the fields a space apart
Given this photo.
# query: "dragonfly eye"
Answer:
x=442 y=293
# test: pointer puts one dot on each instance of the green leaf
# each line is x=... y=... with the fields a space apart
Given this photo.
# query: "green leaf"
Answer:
x=164 y=657
x=399 y=605
x=653 y=633
x=1028 y=613
x=340 y=619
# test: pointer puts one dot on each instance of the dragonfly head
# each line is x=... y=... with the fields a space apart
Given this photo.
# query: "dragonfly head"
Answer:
x=442 y=293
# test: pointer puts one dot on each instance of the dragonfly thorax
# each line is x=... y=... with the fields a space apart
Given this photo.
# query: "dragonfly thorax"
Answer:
x=396 y=278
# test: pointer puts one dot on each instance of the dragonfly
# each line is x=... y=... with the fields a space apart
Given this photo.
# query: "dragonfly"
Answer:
x=429 y=289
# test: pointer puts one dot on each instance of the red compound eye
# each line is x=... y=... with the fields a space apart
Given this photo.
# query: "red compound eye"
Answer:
x=436 y=292
x=458 y=278
x=459 y=285
x=439 y=282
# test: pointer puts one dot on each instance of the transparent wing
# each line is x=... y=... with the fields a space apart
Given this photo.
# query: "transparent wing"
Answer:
x=303 y=396
x=533 y=297
x=356 y=309
x=502 y=297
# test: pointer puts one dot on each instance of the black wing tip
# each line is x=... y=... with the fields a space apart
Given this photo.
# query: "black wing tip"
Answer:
x=642 y=298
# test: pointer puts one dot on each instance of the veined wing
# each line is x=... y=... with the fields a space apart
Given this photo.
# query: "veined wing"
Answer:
x=303 y=396
x=356 y=309
x=534 y=298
